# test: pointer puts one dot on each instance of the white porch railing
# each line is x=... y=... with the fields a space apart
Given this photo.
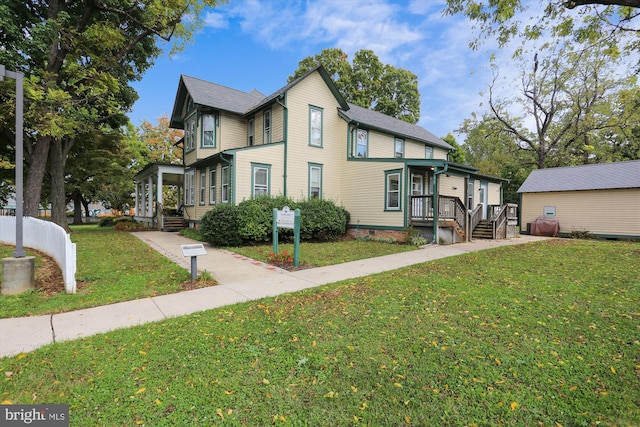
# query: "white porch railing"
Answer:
x=46 y=237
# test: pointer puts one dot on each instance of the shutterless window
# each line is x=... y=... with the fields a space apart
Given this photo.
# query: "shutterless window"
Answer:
x=251 y=132
x=224 y=183
x=315 y=126
x=260 y=181
x=362 y=143
x=428 y=152
x=315 y=181
x=203 y=187
x=212 y=187
x=267 y=127
x=190 y=133
x=208 y=130
x=399 y=148
x=393 y=191
x=189 y=179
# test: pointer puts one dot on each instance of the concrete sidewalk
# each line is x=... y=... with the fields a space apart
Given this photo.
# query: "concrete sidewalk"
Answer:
x=241 y=279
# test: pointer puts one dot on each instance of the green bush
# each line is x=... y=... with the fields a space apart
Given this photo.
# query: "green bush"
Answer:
x=106 y=222
x=322 y=220
x=256 y=218
x=219 y=226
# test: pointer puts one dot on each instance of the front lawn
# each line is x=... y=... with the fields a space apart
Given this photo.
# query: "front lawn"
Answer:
x=543 y=334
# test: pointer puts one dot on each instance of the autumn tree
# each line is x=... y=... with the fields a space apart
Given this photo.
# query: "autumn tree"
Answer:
x=369 y=83
x=159 y=142
x=78 y=59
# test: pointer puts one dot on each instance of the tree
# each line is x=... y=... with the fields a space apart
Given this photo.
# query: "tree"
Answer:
x=458 y=154
x=369 y=83
x=159 y=142
x=78 y=59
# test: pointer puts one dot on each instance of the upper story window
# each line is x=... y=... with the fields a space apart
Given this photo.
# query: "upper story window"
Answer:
x=360 y=141
x=266 y=124
x=208 y=130
x=190 y=133
x=315 y=126
x=251 y=132
x=428 y=152
x=399 y=148
x=190 y=104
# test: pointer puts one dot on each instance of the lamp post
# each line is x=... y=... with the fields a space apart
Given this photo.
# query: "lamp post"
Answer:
x=19 y=78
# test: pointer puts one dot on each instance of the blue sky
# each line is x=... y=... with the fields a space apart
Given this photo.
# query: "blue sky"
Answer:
x=257 y=44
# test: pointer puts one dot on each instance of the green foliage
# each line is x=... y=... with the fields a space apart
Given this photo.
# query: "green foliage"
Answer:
x=256 y=217
x=106 y=222
x=322 y=220
x=457 y=155
x=220 y=226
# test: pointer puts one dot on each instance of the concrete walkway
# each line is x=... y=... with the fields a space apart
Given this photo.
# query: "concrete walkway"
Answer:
x=241 y=279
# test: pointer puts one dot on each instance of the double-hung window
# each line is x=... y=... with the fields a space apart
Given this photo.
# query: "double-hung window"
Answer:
x=392 y=190
x=224 y=183
x=189 y=178
x=190 y=133
x=251 y=132
x=212 y=187
x=203 y=187
x=399 y=148
x=361 y=137
x=428 y=152
x=260 y=180
x=208 y=130
x=315 y=126
x=266 y=125
x=315 y=181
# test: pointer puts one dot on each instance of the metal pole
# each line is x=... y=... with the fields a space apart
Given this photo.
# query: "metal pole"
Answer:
x=19 y=78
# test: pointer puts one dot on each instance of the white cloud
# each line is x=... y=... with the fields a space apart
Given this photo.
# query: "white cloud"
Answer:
x=215 y=20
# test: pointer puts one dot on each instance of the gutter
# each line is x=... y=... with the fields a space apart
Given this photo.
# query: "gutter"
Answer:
x=284 y=139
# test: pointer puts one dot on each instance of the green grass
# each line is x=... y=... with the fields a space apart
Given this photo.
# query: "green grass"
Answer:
x=543 y=334
x=112 y=266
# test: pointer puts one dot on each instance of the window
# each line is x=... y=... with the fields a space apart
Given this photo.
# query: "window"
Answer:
x=260 y=180
x=315 y=181
x=267 y=127
x=470 y=195
x=399 y=148
x=189 y=178
x=189 y=104
x=203 y=187
x=392 y=188
x=190 y=133
x=251 y=132
x=428 y=152
x=362 y=143
x=224 y=183
x=212 y=187
x=315 y=126
x=208 y=130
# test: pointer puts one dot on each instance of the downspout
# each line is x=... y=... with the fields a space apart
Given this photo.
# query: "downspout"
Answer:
x=435 y=202
x=284 y=137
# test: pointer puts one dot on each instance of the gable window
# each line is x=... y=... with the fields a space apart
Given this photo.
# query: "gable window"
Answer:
x=428 y=152
x=203 y=187
x=266 y=124
x=260 y=180
x=212 y=187
x=399 y=148
x=189 y=178
x=224 y=183
x=190 y=104
x=315 y=126
x=190 y=133
x=392 y=190
x=361 y=143
x=251 y=132
x=315 y=181
x=208 y=130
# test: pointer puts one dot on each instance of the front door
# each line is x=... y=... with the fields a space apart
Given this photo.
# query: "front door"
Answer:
x=417 y=189
x=484 y=198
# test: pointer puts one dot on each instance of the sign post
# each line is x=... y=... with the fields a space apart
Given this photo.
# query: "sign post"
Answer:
x=286 y=218
x=193 y=251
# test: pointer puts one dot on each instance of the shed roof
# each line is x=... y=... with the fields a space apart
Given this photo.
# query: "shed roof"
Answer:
x=379 y=121
x=601 y=176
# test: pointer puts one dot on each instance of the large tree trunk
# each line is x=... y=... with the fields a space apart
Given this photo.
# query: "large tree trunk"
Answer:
x=57 y=159
x=78 y=203
x=35 y=175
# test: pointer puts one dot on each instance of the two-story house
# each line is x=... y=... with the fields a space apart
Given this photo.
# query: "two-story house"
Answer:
x=305 y=141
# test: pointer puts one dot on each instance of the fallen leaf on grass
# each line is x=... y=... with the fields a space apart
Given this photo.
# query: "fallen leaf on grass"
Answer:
x=514 y=405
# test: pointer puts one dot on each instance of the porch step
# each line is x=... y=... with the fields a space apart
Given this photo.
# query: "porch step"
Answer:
x=173 y=223
x=484 y=230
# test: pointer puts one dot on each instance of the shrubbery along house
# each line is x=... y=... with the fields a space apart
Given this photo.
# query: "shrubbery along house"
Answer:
x=304 y=141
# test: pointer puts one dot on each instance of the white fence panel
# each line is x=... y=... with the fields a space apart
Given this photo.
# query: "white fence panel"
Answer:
x=46 y=237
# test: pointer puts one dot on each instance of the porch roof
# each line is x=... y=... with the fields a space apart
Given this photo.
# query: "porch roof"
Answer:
x=172 y=174
x=471 y=171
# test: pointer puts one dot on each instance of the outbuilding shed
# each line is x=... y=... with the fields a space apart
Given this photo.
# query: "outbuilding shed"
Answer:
x=602 y=199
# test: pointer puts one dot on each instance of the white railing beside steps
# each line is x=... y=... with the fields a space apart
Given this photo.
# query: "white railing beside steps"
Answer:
x=47 y=237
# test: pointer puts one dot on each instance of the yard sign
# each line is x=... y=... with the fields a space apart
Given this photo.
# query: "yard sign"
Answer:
x=286 y=218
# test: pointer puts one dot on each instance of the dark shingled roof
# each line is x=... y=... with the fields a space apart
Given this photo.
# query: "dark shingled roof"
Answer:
x=220 y=97
x=601 y=176
x=382 y=122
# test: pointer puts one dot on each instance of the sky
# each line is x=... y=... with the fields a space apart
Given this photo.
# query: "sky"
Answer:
x=257 y=44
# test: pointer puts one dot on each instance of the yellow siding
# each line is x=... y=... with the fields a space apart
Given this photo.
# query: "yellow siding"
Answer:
x=270 y=155
x=606 y=212
x=452 y=185
x=381 y=145
x=232 y=132
x=439 y=153
x=494 y=193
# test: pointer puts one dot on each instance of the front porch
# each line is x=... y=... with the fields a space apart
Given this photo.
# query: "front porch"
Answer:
x=150 y=207
x=449 y=221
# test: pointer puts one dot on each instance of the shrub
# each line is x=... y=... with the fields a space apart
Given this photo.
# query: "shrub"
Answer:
x=256 y=217
x=322 y=220
x=128 y=224
x=219 y=226
x=106 y=222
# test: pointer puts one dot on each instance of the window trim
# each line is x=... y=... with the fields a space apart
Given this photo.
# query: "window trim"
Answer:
x=213 y=176
x=202 y=188
x=189 y=184
x=387 y=191
x=395 y=148
x=355 y=140
x=225 y=196
x=428 y=152
x=312 y=109
x=266 y=130
x=214 y=117
x=254 y=168
x=251 y=132
x=310 y=167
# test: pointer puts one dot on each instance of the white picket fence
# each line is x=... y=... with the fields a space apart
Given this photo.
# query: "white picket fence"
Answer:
x=46 y=237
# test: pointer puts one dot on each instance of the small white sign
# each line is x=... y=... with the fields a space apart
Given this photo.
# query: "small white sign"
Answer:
x=285 y=218
x=193 y=250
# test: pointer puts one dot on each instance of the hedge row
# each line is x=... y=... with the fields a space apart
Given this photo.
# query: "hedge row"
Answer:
x=251 y=221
